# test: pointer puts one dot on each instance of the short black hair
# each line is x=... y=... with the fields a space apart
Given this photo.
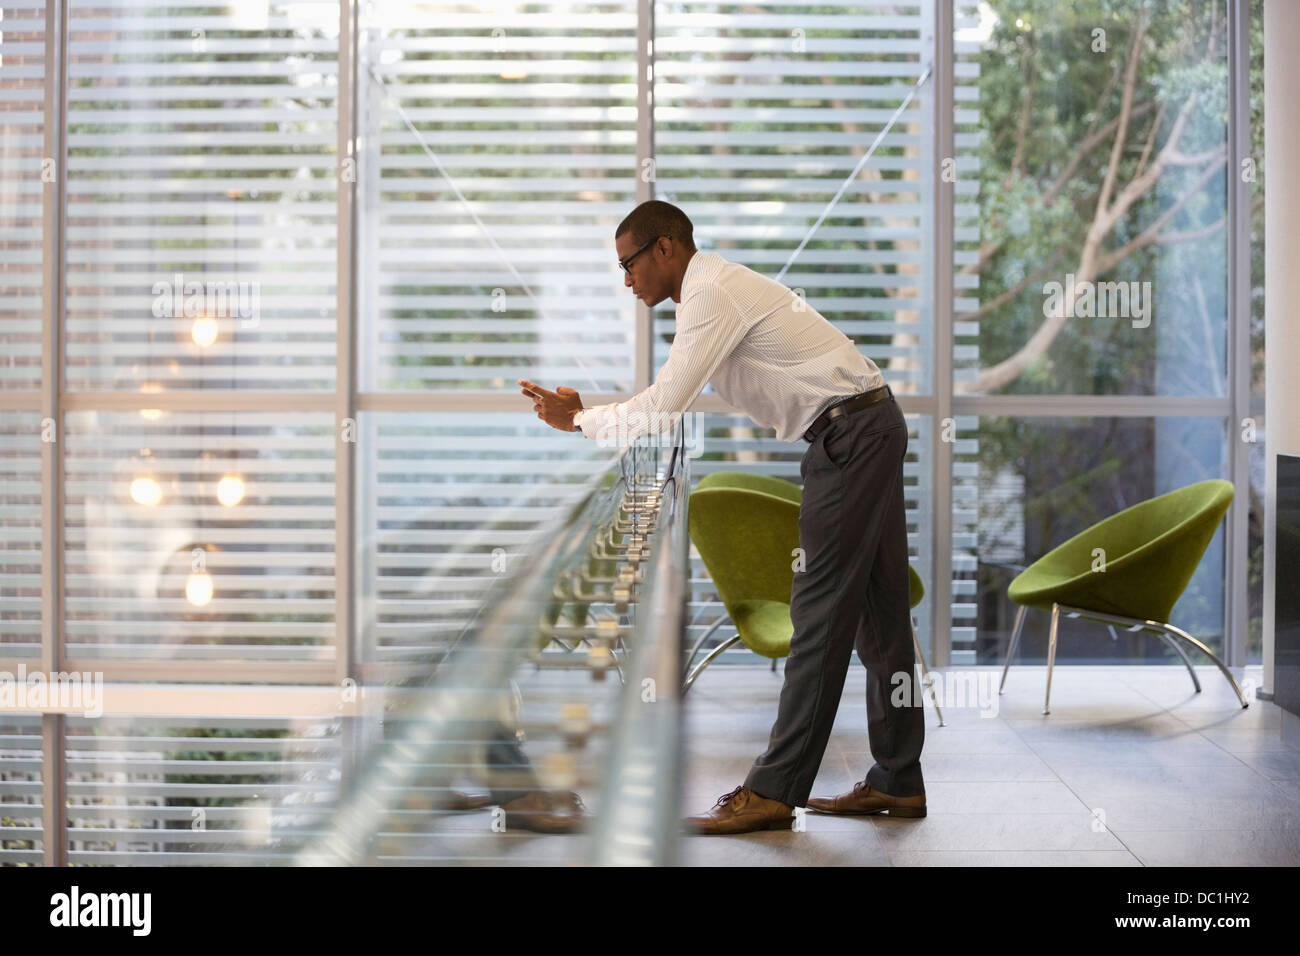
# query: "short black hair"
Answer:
x=654 y=218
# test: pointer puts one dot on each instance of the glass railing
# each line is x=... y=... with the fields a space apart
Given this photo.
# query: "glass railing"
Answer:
x=515 y=698
x=548 y=729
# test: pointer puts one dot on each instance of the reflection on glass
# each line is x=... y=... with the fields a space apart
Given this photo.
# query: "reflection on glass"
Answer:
x=200 y=536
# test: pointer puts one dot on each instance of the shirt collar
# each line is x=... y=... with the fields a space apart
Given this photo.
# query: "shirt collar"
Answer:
x=694 y=269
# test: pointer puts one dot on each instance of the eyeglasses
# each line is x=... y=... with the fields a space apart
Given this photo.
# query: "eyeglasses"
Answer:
x=624 y=263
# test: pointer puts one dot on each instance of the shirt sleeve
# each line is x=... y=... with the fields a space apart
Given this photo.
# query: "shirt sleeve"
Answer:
x=709 y=327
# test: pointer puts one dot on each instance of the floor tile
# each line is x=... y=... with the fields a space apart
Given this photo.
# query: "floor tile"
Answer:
x=996 y=832
x=1035 y=858
x=1176 y=778
x=1214 y=847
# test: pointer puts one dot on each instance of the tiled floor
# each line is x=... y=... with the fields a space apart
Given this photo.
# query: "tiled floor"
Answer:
x=1131 y=768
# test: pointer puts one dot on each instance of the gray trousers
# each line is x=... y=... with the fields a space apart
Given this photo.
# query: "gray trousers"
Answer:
x=852 y=594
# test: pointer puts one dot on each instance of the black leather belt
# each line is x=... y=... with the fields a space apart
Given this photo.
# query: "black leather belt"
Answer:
x=846 y=406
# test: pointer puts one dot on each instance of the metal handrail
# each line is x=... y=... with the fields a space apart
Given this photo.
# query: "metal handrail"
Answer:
x=638 y=820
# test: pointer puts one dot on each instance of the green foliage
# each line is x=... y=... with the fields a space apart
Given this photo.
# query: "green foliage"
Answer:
x=223 y=756
x=1046 y=87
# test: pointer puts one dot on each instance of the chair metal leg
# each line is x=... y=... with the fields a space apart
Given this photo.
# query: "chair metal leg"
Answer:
x=707 y=661
x=1011 y=648
x=1051 y=655
x=925 y=674
x=1136 y=625
x=774 y=665
x=1178 y=649
x=1179 y=632
x=700 y=643
x=1167 y=632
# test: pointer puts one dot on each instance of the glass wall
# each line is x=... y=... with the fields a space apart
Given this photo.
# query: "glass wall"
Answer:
x=307 y=255
x=1095 y=360
x=297 y=252
x=1102 y=180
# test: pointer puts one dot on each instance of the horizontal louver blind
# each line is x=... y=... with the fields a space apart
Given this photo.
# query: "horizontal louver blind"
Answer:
x=20 y=535
x=445 y=511
x=22 y=146
x=202 y=195
x=200 y=535
x=197 y=791
x=21 y=825
x=967 y=479
x=759 y=119
x=498 y=155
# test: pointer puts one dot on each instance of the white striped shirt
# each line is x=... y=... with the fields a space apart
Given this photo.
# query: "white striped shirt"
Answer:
x=766 y=351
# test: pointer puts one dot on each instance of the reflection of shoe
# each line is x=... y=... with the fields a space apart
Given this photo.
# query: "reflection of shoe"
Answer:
x=546 y=811
x=741 y=811
x=862 y=799
x=456 y=800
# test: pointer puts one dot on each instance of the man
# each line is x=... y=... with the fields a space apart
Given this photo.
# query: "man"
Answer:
x=771 y=355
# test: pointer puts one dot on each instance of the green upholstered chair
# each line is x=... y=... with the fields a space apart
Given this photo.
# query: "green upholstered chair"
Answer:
x=575 y=617
x=1127 y=570
x=746 y=528
x=765 y=483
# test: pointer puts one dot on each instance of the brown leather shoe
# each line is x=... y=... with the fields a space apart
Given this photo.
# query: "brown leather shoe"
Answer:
x=546 y=811
x=862 y=799
x=742 y=811
x=459 y=800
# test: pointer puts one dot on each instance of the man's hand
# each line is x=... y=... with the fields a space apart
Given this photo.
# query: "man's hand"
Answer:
x=555 y=408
